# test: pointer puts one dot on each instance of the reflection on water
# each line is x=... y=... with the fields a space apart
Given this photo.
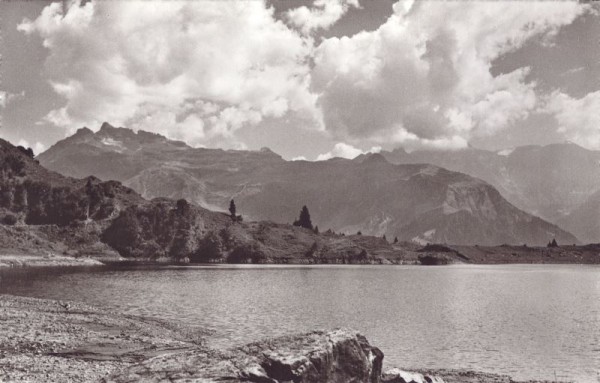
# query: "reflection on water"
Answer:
x=526 y=321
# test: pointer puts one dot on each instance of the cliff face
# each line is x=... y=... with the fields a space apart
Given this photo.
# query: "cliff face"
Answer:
x=42 y=211
x=417 y=202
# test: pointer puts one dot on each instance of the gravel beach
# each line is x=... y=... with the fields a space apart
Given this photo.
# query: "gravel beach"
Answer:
x=52 y=341
x=57 y=341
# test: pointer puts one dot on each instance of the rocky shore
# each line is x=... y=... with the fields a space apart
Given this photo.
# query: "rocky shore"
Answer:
x=33 y=260
x=54 y=341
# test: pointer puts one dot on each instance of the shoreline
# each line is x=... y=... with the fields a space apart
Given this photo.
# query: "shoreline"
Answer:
x=45 y=260
x=45 y=340
x=50 y=260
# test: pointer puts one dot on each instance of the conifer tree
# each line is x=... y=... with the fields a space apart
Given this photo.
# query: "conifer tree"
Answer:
x=232 y=209
x=304 y=220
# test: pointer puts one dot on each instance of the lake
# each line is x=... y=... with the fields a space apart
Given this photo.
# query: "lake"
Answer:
x=528 y=321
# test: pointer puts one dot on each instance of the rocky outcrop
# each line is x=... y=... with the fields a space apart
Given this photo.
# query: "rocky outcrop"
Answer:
x=338 y=356
x=395 y=375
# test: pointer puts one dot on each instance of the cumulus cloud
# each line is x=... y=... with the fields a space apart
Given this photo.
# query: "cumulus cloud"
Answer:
x=343 y=150
x=190 y=70
x=578 y=119
x=423 y=78
x=201 y=71
x=322 y=15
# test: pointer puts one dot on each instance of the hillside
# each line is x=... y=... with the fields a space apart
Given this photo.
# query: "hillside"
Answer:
x=548 y=181
x=415 y=202
x=43 y=212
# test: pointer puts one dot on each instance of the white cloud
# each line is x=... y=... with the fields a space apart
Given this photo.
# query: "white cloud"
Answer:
x=322 y=15
x=578 y=119
x=344 y=150
x=155 y=65
x=7 y=97
x=424 y=76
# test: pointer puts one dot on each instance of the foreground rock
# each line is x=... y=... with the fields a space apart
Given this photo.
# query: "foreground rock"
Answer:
x=337 y=356
x=449 y=376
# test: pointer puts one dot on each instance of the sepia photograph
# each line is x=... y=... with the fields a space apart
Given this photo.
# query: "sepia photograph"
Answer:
x=300 y=191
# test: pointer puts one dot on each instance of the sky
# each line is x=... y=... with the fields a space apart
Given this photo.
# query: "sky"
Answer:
x=308 y=79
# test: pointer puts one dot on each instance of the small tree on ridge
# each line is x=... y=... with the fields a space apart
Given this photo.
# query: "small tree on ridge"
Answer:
x=232 y=209
x=304 y=220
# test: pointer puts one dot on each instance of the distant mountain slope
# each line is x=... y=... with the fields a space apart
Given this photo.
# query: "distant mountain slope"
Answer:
x=548 y=181
x=414 y=202
x=585 y=220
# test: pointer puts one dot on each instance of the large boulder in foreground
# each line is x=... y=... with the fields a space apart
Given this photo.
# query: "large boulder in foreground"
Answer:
x=338 y=356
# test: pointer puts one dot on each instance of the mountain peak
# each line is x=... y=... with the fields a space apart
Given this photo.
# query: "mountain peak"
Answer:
x=83 y=131
x=106 y=126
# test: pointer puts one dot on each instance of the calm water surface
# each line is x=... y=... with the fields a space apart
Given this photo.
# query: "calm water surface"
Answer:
x=529 y=321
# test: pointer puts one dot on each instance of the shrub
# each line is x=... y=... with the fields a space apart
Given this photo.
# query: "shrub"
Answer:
x=312 y=251
x=246 y=252
x=13 y=164
x=9 y=219
x=28 y=152
x=209 y=248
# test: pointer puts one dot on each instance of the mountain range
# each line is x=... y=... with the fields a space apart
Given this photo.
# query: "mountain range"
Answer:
x=420 y=202
x=557 y=182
